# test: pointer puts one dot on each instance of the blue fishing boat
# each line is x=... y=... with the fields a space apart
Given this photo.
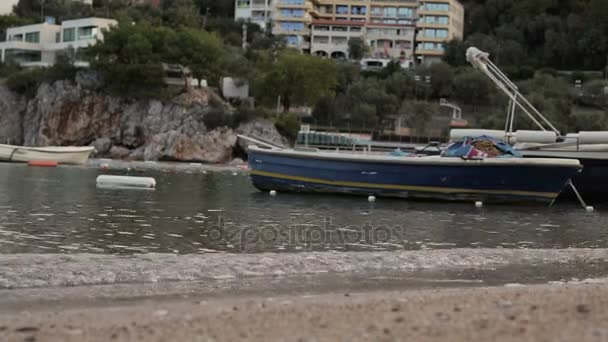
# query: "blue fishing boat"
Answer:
x=426 y=177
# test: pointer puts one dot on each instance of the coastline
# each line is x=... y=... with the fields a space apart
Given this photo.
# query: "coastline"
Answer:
x=527 y=313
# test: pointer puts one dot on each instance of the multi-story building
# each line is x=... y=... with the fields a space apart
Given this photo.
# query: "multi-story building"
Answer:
x=256 y=11
x=388 y=27
x=291 y=19
x=439 y=21
x=391 y=28
x=394 y=29
x=38 y=45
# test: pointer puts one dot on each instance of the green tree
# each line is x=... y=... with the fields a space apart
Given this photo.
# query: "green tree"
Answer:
x=418 y=115
x=199 y=50
x=299 y=78
x=130 y=58
x=471 y=87
x=8 y=21
x=357 y=48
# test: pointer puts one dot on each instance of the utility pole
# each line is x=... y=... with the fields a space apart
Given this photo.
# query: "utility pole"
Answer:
x=42 y=10
x=244 y=36
x=205 y=17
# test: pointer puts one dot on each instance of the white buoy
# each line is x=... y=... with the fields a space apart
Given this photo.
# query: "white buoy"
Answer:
x=104 y=166
x=235 y=173
x=125 y=182
x=478 y=204
x=371 y=199
x=273 y=192
x=589 y=209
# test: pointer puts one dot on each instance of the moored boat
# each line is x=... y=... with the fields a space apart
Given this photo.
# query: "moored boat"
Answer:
x=590 y=148
x=428 y=177
x=62 y=155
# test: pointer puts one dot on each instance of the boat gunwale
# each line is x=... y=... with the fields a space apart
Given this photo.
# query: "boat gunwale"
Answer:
x=427 y=160
x=49 y=149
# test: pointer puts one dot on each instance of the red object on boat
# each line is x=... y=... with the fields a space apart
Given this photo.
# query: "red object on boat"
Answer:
x=43 y=163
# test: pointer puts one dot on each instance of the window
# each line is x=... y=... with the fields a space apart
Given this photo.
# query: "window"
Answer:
x=441 y=33
x=32 y=37
x=69 y=34
x=376 y=11
x=17 y=38
x=430 y=46
x=292 y=26
x=342 y=9
x=358 y=10
x=438 y=7
x=243 y=4
x=292 y=40
x=339 y=40
x=321 y=39
x=85 y=33
x=390 y=12
x=405 y=12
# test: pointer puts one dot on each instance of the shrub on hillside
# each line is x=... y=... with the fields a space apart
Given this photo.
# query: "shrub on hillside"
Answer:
x=26 y=82
x=288 y=125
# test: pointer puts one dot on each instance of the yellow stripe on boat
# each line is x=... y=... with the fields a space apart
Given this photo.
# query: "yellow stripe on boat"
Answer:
x=404 y=187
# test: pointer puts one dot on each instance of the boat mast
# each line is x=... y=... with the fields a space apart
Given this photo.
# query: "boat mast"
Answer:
x=481 y=61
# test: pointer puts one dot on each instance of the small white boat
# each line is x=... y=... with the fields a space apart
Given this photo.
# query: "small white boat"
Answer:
x=62 y=155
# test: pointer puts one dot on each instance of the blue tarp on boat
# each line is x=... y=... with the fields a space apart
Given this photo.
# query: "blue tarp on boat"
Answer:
x=480 y=147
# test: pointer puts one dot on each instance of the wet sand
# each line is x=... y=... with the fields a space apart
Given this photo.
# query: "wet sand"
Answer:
x=527 y=313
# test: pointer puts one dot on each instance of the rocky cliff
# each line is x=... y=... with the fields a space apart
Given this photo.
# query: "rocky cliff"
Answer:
x=77 y=113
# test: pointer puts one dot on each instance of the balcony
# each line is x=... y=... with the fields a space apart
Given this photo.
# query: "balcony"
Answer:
x=279 y=31
x=294 y=5
x=20 y=45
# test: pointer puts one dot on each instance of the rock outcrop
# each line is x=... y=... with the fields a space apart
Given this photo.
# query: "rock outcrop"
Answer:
x=77 y=113
x=12 y=107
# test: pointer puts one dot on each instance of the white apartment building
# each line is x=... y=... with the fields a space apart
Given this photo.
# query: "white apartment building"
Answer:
x=38 y=45
x=256 y=11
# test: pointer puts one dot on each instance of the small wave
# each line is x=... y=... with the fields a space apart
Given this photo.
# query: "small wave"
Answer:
x=46 y=270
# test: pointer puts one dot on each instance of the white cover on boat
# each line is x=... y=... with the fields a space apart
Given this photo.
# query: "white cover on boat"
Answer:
x=539 y=137
x=457 y=134
x=571 y=138
x=599 y=137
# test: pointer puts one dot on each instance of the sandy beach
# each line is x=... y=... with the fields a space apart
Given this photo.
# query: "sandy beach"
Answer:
x=443 y=295
x=526 y=313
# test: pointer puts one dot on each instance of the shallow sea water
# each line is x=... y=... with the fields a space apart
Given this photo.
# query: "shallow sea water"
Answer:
x=60 y=210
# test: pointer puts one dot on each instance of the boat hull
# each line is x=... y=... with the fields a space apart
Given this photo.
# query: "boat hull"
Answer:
x=514 y=180
x=62 y=155
x=592 y=182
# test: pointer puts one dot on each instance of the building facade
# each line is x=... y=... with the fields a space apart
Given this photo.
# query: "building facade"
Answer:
x=256 y=11
x=408 y=30
x=291 y=19
x=38 y=45
x=439 y=21
x=388 y=27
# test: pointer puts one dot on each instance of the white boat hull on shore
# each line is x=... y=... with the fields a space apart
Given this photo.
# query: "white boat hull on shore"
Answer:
x=62 y=155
